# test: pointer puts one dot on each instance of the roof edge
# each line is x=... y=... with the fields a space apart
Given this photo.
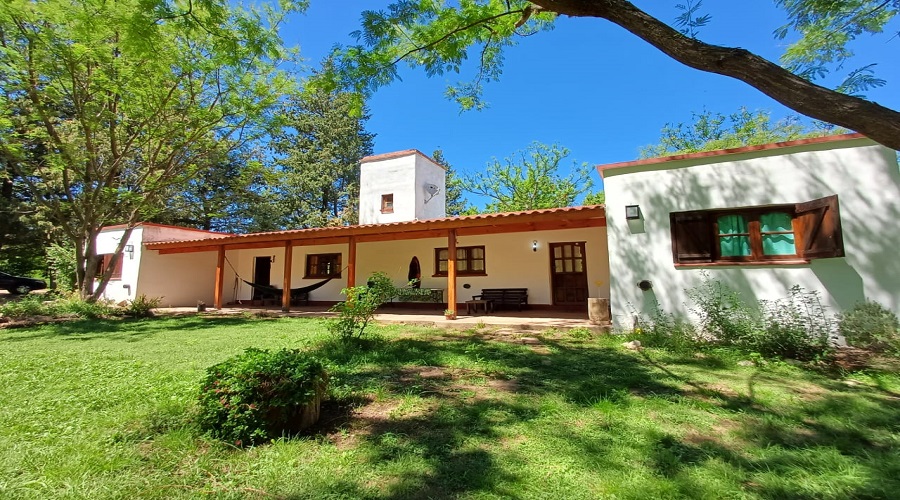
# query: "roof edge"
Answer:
x=601 y=169
x=168 y=226
x=399 y=154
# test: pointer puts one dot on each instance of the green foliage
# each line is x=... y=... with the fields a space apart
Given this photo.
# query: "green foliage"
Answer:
x=27 y=306
x=61 y=259
x=142 y=306
x=870 y=325
x=827 y=29
x=690 y=20
x=259 y=395
x=667 y=331
x=796 y=327
x=598 y=198
x=70 y=304
x=529 y=180
x=107 y=106
x=359 y=308
x=318 y=154
x=712 y=131
x=722 y=314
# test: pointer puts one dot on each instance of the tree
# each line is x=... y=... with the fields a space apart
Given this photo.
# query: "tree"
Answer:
x=711 y=131
x=455 y=201
x=437 y=37
x=318 y=157
x=530 y=180
x=127 y=99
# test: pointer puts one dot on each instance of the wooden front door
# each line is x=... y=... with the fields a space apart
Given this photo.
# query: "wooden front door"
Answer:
x=262 y=274
x=568 y=271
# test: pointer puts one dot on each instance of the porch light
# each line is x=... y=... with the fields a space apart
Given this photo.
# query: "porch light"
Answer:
x=130 y=250
x=534 y=246
x=632 y=212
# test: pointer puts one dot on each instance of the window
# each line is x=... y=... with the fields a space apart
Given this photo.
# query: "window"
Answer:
x=387 y=203
x=323 y=265
x=469 y=261
x=762 y=235
x=104 y=262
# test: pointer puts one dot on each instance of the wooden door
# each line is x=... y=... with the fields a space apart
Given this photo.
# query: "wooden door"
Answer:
x=568 y=272
x=262 y=274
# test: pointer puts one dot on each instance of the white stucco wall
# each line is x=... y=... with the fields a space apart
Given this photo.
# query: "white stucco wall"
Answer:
x=179 y=279
x=509 y=260
x=404 y=177
x=863 y=175
x=126 y=287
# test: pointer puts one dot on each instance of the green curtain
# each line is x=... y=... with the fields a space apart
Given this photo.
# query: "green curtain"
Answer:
x=777 y=244
x=734 y=246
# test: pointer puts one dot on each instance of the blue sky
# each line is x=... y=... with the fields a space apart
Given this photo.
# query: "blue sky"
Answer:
x=587 y=85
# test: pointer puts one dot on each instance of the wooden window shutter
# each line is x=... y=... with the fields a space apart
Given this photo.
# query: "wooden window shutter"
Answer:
x=692 y=238
x=117 y=270
x=819 y=226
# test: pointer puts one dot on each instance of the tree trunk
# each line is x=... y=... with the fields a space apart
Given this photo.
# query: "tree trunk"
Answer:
x=876 y=122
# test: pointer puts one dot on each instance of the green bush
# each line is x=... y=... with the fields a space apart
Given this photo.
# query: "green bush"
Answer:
x=142 y=306
x=871 y=326
x=61 y=260
x=665 y=330
x=355 y=313
x=796 y=327
x=74 y=304
x=722 y=314
x=28 y=306
x=260 y=395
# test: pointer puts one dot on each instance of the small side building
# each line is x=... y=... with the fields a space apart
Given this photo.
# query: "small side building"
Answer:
x=820 y=213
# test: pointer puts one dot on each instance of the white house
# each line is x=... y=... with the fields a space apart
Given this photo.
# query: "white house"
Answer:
x=820 y=213
x=558 y=255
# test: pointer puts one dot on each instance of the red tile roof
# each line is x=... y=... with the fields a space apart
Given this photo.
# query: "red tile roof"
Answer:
x=153 y=224
x=721 y=152
x=498 y=219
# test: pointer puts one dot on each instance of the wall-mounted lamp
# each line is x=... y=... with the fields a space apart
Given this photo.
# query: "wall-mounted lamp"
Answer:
x=130 y=250
x=534 y=246
x=632 y=212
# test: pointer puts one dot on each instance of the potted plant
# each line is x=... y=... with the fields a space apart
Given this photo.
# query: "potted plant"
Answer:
x=449 y=314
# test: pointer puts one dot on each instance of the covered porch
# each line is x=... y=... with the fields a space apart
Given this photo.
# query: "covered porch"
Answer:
x=558 y=255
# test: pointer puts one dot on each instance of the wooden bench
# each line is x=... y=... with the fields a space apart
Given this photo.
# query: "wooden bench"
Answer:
x=504 y=296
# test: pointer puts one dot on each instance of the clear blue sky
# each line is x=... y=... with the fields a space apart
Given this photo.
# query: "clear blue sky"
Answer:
x=587 y=85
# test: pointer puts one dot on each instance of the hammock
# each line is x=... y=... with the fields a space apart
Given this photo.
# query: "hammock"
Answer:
x=295 y=292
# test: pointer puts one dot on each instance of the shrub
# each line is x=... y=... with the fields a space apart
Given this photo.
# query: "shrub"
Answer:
x=142 y=306
x=665 y=330
x=61 y=260
x=357 y=311
x=722 y=314
x=870 y=325
x=74 y=304
x=260 y=395
x=27 y=306
x=795 y=327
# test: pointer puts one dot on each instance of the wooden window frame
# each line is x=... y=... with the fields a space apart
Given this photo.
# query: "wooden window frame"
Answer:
x=313 y=264
x=104 y=263
x=753 y=215
x=387 y=203
x=468 y=258
x=815 y=225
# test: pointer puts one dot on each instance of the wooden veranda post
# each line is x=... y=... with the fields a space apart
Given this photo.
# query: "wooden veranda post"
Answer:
x=220 y=277
x=451 y=271
x=286 y=288
x=351 y=265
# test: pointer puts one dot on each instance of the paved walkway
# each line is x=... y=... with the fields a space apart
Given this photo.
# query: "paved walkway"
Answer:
x=526 y=320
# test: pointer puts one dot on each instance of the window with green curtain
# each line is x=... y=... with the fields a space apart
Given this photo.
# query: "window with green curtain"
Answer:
x=777 y=234
x=734 y=236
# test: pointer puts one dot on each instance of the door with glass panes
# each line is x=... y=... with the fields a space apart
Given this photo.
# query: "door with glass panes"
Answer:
x=568 y=271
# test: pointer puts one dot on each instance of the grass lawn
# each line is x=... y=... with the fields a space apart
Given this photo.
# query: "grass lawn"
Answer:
x=102 y=409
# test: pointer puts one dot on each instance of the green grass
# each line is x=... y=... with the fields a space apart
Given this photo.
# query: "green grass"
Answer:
x=103 y=409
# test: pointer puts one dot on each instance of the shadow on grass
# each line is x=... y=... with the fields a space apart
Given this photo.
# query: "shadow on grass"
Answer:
x=130 y=329
x=446 y=437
